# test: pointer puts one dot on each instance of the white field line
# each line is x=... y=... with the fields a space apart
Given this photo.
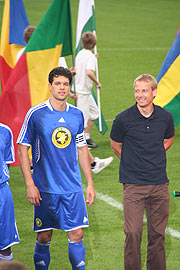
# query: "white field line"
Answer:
x=110 y=201
x=109 y=120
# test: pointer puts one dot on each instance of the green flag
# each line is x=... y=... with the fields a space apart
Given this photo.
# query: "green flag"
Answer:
x=86 y=22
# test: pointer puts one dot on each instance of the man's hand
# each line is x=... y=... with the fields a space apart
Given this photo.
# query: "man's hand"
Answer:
x=73 y=71
x=73 y=96
x=98 y=85
x=33 y=195
x=90 y=194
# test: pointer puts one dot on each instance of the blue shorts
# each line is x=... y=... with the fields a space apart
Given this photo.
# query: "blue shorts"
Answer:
x=8 y=230
x=66 y=212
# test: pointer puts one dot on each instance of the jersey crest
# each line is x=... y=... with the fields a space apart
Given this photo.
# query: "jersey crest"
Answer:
x=61 y=137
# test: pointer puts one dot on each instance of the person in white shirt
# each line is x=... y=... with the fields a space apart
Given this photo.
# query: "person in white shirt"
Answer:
x=84 y=79
x=97 y=164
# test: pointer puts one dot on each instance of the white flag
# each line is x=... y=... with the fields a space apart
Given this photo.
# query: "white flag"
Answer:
x=86 y=20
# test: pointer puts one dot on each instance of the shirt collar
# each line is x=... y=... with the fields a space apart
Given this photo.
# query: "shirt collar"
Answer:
x=139 y=115
x=51 y=107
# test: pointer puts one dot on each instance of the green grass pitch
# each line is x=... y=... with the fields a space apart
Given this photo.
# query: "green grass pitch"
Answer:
x=133 y=38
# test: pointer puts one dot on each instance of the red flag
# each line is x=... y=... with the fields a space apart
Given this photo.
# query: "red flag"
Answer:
x=28 y=82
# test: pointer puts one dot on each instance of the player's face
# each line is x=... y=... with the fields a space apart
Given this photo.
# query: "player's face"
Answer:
x=60 y=88
x=144 y=94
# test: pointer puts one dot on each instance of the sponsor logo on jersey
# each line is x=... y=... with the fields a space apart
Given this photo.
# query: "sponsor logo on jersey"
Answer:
x=38 y=222
x=61 y=120
x=61 y=137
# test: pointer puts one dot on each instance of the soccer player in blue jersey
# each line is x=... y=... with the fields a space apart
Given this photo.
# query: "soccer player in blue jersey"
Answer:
x=54 y=129
x=8 y=230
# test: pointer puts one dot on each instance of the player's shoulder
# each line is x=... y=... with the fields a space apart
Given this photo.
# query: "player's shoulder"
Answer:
x=5 y=127
x=162 y=112
x=125 y=113
x=73 y=109
x=125 y=116
x=85 y=52
x=160 y=109
x=38 y=107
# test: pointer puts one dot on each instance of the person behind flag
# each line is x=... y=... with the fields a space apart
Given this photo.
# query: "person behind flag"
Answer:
x=55 y=130
x=140 y=137
x=8 y=230
x=85 y=68
x=28 y=31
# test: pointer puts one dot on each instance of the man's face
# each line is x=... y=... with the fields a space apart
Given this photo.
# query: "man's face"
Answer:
x=60 y=88
x=143 y=93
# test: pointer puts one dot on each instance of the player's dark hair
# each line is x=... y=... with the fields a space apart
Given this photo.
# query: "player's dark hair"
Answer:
x=60 y=71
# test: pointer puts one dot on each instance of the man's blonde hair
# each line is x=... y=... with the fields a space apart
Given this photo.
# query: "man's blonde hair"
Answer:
x=147 y=78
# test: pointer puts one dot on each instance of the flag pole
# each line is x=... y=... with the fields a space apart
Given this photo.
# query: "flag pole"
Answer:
x=98 y=90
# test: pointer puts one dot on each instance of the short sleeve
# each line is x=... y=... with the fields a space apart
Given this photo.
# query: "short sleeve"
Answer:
x=80 y=137
x=9 y=149
x=91 y=63
x=27 y=132
x=118 y=130
x=170 y=131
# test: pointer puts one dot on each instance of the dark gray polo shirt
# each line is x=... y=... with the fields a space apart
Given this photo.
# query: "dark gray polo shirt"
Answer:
x=143 y=157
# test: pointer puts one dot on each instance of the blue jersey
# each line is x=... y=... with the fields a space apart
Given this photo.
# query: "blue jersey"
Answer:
x=54 y=137
x=6 y=152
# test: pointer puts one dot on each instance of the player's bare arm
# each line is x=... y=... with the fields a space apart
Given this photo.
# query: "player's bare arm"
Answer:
x=33 y=194
x=168 y=143
x=91 y=75
x=116 y=148
x=85 y=165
